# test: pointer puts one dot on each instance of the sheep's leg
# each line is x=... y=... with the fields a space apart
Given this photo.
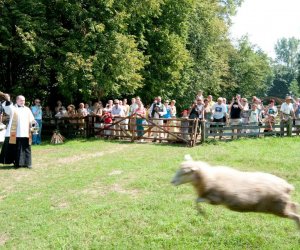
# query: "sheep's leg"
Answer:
x=291 y=212
x=294 y=207
x=200 y=200
x=199 y=207
x=295 y=217
x=213 y=199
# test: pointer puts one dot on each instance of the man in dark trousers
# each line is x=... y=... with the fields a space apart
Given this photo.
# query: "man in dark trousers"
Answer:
x=17 y=144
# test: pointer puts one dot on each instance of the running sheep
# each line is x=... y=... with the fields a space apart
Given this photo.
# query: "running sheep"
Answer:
x=237 y=190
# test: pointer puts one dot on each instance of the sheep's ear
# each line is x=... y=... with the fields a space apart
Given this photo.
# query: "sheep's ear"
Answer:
x=187 y=170
x=188 y=158
x=194 y=168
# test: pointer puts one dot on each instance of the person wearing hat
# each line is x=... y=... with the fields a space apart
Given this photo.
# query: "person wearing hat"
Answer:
x=286 y=115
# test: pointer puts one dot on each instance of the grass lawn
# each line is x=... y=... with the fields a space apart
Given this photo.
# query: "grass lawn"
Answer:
x=114 y=195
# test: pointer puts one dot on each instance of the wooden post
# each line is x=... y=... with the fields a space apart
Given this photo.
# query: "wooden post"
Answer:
x=289 y=127
x=132 y=127
x=203 y=131
x=195 y=131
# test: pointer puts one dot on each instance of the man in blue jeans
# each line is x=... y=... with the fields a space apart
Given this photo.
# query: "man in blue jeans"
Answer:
x=37 y=113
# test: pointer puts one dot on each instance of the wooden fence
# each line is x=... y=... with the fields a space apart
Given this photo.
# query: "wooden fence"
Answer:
x=178 y=130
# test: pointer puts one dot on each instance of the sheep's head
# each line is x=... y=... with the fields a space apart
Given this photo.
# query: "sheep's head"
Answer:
x=186 y=173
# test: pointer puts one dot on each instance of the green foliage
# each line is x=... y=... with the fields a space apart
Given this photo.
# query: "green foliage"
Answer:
x=294 y=88
x=286 y=67
x=250 y=69
x=208 y=46
x=85 y=50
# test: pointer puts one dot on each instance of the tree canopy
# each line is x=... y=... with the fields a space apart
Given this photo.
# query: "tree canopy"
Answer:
x=84 y=50
x=286 y=68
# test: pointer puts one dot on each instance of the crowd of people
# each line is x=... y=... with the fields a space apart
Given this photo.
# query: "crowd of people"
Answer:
x=237 y=112
x=121 y=116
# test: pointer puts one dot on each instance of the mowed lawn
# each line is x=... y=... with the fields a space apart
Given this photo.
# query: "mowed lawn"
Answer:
x=114 y=195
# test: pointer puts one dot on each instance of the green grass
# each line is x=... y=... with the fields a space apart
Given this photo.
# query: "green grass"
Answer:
x=112 y=195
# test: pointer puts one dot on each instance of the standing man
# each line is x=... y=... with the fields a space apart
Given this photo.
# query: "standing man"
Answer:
x=286 y=115
x=16 y=148
x=117 y=113
x=126 y=113
x=219 y=114
x=157 y=111
x=235 y=109
x=37 y=114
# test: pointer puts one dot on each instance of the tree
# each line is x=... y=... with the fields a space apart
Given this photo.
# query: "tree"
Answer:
x=250 y=70
x=285 y=67
x=84 y=50
x=294 y=88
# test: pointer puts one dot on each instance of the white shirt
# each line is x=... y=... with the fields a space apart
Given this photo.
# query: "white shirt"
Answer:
x=199 y=109
x=25 y=118
x=117 y=111
x=219 y=110
x=272 y=111
x=132 y=108
x=254 y=115
x=286 y=108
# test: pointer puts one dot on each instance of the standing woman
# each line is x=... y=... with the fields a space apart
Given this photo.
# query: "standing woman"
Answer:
x=97 y=113
x=173 y=122
x=270 y=115
x=141 y=111
x=37 y=114
x=245 y=113
x=167 y=116
x=17 y=145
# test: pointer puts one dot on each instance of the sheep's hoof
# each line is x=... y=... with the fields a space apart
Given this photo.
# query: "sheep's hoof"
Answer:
x=200 y=210
x=200 y=200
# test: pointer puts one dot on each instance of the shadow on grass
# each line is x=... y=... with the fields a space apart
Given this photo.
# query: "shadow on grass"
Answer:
x=6 y=167
x=114 y=141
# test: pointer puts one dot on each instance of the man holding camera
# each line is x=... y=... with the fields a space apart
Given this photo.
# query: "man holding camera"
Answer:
x=157 y=111
x=235 y=109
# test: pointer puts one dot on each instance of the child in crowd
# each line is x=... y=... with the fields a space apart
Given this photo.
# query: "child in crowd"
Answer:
x=107 y=118
x=185 y=124
x=254 y=119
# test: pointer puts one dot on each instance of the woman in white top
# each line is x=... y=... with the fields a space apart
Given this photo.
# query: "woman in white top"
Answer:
x=270 y=115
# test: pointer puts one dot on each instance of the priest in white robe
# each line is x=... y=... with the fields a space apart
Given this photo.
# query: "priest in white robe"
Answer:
x=17 y=144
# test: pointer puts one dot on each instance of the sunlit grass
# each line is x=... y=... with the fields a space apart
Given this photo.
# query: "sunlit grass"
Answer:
x=113 y=195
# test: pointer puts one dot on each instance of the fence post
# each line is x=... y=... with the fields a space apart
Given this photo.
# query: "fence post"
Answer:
x=87 y=126
x=196 y=124
x=203 y=131
x=132 y=126
x=289 y=127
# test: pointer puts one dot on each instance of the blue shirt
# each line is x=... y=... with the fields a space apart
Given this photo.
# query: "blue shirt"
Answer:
x=168 y=114
x=37 y=112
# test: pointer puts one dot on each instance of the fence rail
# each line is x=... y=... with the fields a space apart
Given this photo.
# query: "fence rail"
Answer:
x=137 y=128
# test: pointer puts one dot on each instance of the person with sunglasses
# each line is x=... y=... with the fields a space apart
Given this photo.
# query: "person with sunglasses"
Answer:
x=37 y=112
